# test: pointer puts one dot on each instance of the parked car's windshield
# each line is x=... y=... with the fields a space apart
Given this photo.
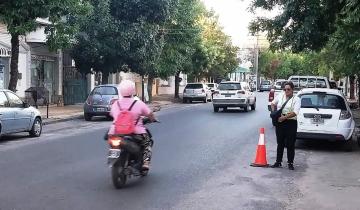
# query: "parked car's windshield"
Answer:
x=194 y=86
x=105 y=90
x=322 y=100
x=265 y=82
x=229 y=86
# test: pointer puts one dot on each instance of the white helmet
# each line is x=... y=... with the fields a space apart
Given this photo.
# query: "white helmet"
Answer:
x=127 y=88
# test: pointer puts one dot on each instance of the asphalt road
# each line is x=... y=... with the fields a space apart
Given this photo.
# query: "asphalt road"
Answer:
x=200 y=161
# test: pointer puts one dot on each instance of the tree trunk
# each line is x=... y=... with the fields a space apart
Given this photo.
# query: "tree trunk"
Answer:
x=358 y=83
x=105 y=78
x=352 y=87
x=149 y=87
x=177 y=84
x=14 y=72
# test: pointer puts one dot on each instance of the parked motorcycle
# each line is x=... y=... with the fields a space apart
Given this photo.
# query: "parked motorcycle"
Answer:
x=125 y=157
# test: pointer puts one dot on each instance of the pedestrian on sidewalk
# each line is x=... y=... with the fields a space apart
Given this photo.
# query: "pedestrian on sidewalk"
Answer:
x=286 y=126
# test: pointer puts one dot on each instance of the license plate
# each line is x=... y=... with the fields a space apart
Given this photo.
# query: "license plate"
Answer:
x=317 y=121
x=114 y=153
x=100 y=109
x=227 y=96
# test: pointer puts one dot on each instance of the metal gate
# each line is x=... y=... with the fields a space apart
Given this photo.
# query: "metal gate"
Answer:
x=75 y=86
x=75 y=91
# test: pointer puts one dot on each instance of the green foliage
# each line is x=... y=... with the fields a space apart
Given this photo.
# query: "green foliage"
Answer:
x=20 y=17
x=302 y=25
x=330 y=27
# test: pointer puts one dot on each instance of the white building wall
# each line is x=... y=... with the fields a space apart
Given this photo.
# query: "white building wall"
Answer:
x=4 y=35
x=22 y=83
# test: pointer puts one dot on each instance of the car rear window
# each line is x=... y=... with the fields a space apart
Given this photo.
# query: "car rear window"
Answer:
x=322 y=100
x=194 y=86
x=305 y=82
x=265 y=82
x=105 y=90
x=210 y=85
x=229 y=86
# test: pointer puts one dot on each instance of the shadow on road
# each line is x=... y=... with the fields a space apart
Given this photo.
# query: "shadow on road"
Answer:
x=15 y=137
x=324 y=145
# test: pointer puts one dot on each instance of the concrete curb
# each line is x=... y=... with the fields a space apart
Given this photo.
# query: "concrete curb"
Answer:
x=59 y=120
x=50 y=121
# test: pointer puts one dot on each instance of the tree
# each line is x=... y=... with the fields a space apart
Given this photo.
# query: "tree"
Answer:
x=20 y=17
x=182 y=38
x=302 y=25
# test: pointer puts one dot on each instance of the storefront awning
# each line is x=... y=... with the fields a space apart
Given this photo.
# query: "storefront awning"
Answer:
x=242 y=70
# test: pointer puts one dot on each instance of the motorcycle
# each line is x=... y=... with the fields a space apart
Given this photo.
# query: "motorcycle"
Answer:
x=125 y=157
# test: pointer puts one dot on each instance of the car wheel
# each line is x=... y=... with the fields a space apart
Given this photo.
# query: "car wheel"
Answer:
x=108 y=117
x=246 y=109
x=348 y=145
x=36 y=128
x=216 y=109
x=253 y=107
x=184 y=100
x=225 y=109
x=87 y=117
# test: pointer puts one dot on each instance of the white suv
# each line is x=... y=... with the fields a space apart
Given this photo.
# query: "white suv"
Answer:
x=196 y=92
x=234 y=94
x=324 y=114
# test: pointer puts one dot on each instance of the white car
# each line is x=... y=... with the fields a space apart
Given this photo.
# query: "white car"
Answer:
x=234 y=94
x=196 y=92
x=17 y=116
x=324 y=114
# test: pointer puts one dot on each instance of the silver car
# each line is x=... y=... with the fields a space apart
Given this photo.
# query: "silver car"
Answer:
x=100 y=100
x=17 y=116
x=196 y=92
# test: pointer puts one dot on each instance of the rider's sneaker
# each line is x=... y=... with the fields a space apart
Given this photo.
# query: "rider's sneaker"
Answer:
x=146 y=165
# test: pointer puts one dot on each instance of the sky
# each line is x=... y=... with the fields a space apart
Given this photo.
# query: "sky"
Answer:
x=235 y=18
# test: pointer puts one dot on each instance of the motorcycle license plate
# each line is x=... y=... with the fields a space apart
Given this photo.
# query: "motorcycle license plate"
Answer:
x=114 y=153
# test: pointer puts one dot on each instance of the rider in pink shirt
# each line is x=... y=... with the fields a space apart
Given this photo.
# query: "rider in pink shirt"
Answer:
x=139 y=110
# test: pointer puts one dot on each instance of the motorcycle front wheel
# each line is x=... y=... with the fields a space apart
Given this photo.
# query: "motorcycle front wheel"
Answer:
x=117 y=171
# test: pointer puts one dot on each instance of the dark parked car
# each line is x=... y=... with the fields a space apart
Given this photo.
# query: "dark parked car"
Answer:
x=265 y=85
x=100 y=100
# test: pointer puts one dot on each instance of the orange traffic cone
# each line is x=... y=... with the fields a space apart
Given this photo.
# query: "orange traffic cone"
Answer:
x=260 y=160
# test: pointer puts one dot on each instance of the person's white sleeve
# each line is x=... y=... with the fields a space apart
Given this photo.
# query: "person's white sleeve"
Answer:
x=297 y=105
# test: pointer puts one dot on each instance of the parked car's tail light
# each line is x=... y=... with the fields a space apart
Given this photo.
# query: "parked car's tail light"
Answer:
x=114 y=141
x=271 y=95
x=241 y=92
x=344 y=115
x=89 y=100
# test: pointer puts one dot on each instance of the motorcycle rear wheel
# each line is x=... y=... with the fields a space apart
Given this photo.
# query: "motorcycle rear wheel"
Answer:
x=117 y=172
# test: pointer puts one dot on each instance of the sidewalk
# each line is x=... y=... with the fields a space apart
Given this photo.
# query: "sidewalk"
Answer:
x=70 y=112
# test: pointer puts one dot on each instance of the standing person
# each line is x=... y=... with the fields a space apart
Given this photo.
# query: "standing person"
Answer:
x=286 y=127
x=138 y=109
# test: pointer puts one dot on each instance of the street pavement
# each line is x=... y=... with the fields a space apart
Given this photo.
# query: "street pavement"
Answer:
x=200 y=161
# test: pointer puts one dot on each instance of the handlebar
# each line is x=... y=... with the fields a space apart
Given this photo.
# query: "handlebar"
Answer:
x=146 y=120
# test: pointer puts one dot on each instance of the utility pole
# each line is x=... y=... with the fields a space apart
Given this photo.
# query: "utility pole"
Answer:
x=257 y=62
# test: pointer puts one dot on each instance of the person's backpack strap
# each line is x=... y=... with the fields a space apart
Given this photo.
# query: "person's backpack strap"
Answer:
x=118 y=103
x=132 y=105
